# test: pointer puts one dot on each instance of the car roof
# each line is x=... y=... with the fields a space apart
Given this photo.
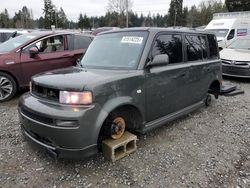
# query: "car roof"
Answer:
x=13 y=30
x=160 y=29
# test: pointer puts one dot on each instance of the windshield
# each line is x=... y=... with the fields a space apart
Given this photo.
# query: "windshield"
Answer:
x=219 y=32
x=243 y=43
x=115 y=50
x=12 y=43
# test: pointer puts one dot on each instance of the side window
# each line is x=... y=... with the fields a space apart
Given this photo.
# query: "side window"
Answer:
x=193 y=46
x=212 y=46
x=49 y=45
x=70 y=39
x=170 y=45
x=204 y=47
x=231 y=35
x=81 y=42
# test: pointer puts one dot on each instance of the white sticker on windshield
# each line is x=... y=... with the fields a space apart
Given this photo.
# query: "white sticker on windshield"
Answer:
x=132 y=39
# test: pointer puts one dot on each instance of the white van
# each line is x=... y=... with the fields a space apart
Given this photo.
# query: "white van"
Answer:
x=228 y=26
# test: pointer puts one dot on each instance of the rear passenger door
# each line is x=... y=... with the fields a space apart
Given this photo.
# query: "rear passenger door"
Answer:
x=166 y=86
x=196 y=46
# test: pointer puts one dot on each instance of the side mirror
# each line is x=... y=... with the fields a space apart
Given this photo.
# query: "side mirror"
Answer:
x=159 y=60
x=33 y=52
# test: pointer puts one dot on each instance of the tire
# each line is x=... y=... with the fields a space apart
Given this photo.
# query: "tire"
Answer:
x=8 y=87
x=208 y=100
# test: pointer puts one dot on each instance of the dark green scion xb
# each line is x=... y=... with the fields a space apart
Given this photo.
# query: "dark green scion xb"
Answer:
x=131 y=79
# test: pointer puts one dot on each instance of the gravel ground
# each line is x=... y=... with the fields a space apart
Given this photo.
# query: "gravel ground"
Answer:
x=208 y=148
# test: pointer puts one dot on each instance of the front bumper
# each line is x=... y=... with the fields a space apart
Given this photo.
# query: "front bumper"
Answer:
x=236 y=71
x=39 y=124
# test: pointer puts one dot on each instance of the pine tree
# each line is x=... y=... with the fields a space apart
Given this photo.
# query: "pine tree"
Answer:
x=175 y=13
x=4 y=19
x=62 y=21
x=237 y=5
x=49 y=14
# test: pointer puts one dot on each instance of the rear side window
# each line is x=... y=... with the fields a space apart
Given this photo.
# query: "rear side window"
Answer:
x=81 y=42
x=194 y=47
x=212 y=46
x=204 y=46
x=169 y=44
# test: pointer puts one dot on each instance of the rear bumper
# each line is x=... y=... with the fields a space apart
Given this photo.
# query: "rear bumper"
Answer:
x=39 y=124
x=236 y=71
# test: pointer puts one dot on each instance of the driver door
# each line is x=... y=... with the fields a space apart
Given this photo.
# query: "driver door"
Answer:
x=166 y=86
x=53 y=54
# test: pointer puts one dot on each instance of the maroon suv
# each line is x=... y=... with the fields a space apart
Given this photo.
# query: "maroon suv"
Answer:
x=32 y=53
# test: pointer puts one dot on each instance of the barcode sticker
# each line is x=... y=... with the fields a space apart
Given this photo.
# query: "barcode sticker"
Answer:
x=132 y=39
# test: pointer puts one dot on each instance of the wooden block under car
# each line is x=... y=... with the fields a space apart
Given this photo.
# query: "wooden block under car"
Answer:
x=114 y=150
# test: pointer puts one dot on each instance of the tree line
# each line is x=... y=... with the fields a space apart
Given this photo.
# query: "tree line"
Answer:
x=116 y=16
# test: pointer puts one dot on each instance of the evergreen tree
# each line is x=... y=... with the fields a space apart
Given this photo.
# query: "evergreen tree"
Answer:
x=62 y=21
x=4 y=19
x=237 y=5
x=49 y=14
x=86 y=22
x=80 y=21
x=112 y=19
x=185 y=16
x=175 y=13
x=41 y=22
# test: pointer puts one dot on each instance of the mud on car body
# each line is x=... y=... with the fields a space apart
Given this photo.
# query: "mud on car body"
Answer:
x=133 y=79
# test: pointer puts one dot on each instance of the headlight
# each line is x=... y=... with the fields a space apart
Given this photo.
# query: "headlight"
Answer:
x=67 y=97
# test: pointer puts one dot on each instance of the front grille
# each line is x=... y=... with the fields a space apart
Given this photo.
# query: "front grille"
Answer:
x=226 y=61
x=240 y=63
x=44 y=92
x=234 y=70
x=37 y=117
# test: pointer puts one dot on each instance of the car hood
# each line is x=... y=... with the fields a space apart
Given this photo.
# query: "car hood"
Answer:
x=77 y=79
x=235 y=54
x=219 y=38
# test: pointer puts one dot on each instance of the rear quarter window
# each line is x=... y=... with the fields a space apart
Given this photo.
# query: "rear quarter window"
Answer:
x=81 y=42
x=193 y=47
x=213 y=48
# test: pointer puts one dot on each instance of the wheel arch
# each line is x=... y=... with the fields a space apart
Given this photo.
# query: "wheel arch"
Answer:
x=122 y=104
x=214 y=88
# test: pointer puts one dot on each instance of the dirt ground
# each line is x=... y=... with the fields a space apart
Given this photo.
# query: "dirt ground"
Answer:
x=208 y=148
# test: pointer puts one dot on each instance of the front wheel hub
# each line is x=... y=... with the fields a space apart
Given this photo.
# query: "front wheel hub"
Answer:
x=117 y=128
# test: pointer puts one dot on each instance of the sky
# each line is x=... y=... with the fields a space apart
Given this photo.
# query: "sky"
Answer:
x=73 y=8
